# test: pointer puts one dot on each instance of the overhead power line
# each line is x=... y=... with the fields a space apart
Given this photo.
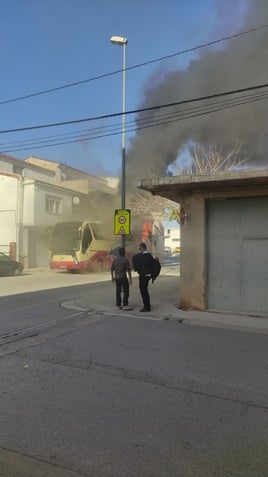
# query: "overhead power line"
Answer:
x=105 y=75
x=158 y=119
x=142 y=123
x=136 y=111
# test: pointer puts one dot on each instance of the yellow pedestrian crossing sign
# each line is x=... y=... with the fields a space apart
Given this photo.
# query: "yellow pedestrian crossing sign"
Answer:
x=122 y=222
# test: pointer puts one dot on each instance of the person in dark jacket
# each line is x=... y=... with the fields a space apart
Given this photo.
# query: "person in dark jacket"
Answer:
x=119 y=270
x=142 y=263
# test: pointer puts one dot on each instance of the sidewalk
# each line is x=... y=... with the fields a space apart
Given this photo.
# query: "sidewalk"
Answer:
x=164 y=294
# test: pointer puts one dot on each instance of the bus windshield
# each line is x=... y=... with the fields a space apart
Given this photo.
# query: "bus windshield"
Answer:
x=99 y=231
x=65 y=236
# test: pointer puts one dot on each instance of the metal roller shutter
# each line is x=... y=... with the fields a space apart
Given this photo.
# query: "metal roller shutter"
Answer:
x=237 y=255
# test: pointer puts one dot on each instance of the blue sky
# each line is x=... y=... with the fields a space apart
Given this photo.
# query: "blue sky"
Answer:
x=51 y=43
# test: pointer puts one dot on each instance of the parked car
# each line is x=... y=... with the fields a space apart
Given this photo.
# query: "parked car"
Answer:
x=9 y=266
x=167 y=249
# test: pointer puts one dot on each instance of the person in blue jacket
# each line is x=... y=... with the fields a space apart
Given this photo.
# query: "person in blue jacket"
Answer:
x=142 y=264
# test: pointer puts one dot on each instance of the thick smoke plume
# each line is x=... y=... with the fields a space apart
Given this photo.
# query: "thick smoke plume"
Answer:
x=240 y=63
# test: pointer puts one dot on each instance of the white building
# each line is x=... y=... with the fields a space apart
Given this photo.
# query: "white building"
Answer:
x=172 y=235
x=34 y=198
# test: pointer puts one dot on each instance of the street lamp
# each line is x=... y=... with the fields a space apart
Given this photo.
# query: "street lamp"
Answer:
x=121 y=41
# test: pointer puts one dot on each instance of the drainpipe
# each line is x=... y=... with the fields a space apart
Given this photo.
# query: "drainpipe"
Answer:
x=19 y=224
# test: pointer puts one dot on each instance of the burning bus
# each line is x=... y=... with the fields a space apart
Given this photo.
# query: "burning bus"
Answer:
x=80 y=246
x=84 y=246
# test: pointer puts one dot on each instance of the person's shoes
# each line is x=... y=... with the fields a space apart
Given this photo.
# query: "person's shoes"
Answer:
x=143 y=310
x=119 y=307
x=126 y=307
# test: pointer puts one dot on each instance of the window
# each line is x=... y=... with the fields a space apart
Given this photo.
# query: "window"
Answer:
x=53 y=205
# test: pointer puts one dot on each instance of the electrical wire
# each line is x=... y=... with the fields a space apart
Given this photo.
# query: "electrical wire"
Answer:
x=136 y=111
x=146 y=122
x=105 y=75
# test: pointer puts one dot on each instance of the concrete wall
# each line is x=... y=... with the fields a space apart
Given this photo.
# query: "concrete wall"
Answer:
x=6 y=166
x=192 y=266
x=32 y=202
x=35 y=212
x=20 y=168
x=193 y=294
x=24 y=217
x=37 y=221
x=8 y=211
x=192 y=193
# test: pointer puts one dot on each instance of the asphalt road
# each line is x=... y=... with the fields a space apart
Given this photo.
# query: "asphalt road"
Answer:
x=97 y=394
x=45 y=279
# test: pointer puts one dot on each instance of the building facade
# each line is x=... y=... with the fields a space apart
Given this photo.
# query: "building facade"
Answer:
x=224 y=239
x=33 y=199
x=172 y=236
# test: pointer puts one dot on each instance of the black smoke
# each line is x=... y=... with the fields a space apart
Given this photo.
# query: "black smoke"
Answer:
x=238 y=63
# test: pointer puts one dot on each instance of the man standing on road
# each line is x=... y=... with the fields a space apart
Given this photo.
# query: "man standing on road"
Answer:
x=142 y=263
x=119 y=270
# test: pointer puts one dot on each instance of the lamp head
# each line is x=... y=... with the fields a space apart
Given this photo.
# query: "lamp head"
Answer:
x=118 y=40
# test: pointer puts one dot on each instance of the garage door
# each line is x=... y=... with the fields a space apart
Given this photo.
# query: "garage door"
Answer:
x=237 y=255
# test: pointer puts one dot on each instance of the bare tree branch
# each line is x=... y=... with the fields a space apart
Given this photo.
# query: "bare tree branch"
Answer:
x=214 y=158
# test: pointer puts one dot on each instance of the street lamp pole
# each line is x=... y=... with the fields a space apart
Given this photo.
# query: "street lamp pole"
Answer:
x=121 y=41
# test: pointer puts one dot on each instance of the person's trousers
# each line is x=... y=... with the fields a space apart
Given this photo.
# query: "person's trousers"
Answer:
x=143 y=284
x=122 y=284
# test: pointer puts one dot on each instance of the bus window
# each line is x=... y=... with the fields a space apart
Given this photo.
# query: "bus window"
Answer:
x=86 y=238
x=65 y=237
x=100 y=232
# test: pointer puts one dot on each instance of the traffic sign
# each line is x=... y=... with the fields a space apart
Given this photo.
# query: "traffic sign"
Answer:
x=122 y=222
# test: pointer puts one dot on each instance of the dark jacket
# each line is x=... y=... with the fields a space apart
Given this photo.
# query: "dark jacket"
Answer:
x=142 y=263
